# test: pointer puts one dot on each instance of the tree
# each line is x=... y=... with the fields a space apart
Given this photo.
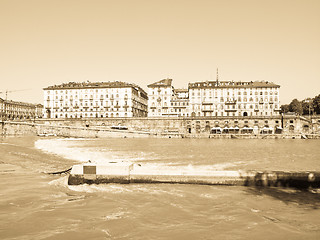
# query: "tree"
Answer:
x=316 y=104
x=284 y=108
x=296 y=106
x=307 y=106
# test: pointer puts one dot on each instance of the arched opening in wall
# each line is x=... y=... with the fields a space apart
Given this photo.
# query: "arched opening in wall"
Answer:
x=207 y=128
x=278 y=129
x=48 y=113
x=189 y=128
x=193 y=114
x=198 y=128
x=306 y=128
x=291 y=128
x=66 y=115
x=245 y=114
x=97 y=115
x=111 y=115
x=56 y=116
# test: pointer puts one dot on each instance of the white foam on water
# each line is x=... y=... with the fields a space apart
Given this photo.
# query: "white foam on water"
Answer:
x=113 y=188
x=79 y=150
x=70 y=149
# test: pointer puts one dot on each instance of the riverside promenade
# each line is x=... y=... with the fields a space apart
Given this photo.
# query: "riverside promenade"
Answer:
x=257 y=128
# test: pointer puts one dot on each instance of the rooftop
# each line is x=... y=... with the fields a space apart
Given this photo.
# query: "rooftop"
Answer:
x=88 y=84
x=20 y=103
x=181 y=90
x=232 y=84
x=162 y=83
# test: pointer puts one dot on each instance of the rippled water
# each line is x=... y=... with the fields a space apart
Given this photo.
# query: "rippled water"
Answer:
x=34 y=205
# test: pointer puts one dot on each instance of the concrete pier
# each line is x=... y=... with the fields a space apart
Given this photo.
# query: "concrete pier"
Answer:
x=132 y=173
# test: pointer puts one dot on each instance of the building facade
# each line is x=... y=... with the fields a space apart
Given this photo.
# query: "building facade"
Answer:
x=95 y=100
x=165 y=101
x=214 y=99
x=229 y=98
x=13 y=110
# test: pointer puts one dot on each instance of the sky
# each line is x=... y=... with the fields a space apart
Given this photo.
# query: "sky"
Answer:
x=48 y=42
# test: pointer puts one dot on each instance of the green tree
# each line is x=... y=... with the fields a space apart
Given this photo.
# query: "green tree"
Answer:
x=296 y=106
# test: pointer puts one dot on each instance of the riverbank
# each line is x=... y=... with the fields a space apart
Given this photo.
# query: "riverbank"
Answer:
x=93 y=131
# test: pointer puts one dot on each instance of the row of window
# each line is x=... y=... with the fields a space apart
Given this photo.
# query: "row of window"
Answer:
x=86 y=96
x=76 y=91
x=93 y=110
x=233 y=93
x=240 y=99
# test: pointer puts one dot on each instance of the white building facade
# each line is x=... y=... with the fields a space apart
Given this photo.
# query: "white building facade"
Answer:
x=95 y=100
x=229 y=98
x=165 y=101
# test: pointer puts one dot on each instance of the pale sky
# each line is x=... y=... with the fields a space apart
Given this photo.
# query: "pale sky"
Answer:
x=47 y=42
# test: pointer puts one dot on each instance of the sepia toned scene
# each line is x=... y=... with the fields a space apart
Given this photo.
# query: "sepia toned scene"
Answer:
x=138 y=119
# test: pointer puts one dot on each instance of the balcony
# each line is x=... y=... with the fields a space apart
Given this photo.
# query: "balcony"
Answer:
x=230 y=110
x=231 y=102
x=256 y=110
x=207 y=103
x=261 y=102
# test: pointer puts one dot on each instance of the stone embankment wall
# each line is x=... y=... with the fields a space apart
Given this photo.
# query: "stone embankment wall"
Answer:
x=159 y=127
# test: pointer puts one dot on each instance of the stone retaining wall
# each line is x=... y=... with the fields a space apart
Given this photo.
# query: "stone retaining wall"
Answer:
x=157 y=127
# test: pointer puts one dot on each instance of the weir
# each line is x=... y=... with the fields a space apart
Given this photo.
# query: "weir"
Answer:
x=126 y=173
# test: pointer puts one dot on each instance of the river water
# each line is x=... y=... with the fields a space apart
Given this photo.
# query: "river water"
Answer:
x=35 y=205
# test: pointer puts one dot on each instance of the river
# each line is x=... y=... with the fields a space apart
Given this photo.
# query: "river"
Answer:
x=35 y=205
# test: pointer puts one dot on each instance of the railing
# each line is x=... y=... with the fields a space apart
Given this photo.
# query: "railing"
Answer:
x=207 y=103
x=230 y=102
x=230 y=110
